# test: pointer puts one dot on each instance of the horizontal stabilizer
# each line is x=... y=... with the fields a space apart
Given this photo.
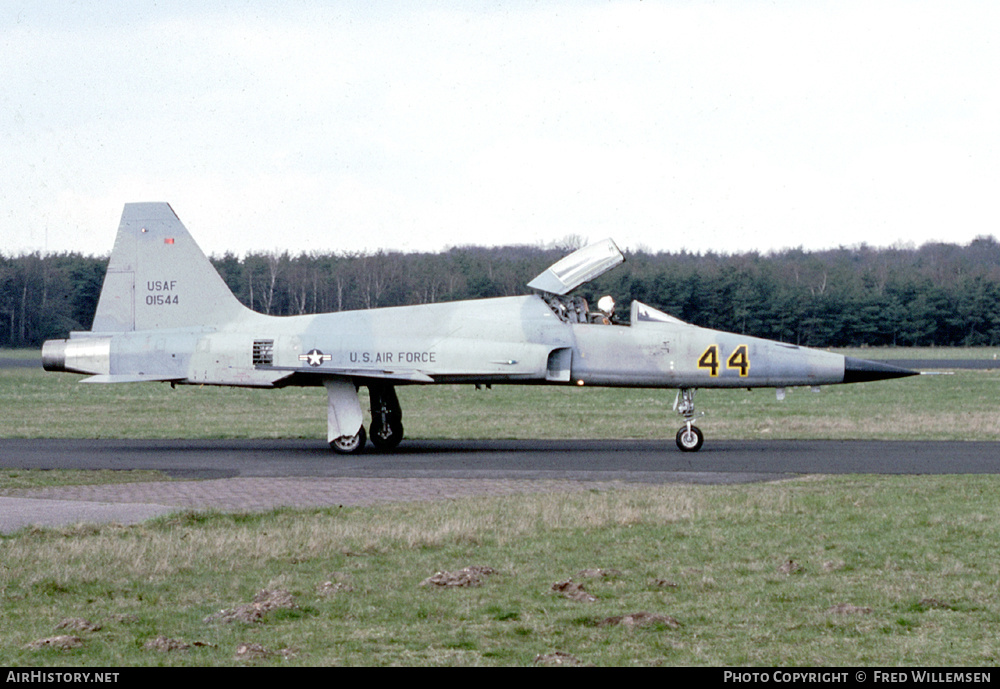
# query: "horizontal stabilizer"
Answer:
x=136 y=378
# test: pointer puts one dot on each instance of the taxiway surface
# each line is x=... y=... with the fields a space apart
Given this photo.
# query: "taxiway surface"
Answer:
x=649 y=461
x=253 y=475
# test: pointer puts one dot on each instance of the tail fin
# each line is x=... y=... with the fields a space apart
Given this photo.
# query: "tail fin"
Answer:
x=158 y=277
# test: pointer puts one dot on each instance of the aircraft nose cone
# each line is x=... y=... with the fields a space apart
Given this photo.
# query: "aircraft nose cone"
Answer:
x=862 y=370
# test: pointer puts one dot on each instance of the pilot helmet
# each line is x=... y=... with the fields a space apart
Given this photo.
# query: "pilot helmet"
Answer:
x=606 y=304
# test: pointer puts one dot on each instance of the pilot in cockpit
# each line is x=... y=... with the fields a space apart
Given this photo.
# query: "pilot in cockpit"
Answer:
x=605 y=311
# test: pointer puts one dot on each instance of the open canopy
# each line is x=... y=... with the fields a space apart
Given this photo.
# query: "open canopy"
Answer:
x=580 y=267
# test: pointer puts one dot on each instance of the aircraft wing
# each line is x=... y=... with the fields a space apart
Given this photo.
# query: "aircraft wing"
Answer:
x=399 y=376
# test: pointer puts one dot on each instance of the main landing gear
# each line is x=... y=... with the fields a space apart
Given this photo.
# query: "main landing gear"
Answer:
x=689 y=437
x=386 y=429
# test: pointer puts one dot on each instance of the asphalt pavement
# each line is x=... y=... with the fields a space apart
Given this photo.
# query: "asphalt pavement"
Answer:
x=253 y=475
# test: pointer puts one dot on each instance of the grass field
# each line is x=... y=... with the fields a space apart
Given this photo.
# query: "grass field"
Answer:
x=815 y=571
x=834 y=571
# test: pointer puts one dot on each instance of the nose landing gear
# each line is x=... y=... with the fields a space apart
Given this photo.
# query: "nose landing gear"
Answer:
x=689 y=437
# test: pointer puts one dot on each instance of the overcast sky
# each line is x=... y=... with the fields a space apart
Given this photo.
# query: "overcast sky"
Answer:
x=413 y=126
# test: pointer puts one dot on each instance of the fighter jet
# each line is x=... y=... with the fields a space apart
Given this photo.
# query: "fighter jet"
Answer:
x=166 y=315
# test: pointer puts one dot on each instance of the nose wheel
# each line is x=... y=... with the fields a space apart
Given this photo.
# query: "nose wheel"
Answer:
x=689 y=437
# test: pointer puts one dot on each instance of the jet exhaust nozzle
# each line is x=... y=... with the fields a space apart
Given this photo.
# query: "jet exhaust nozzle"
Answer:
x=862 y=370
x=87 y=355
x=54 y=355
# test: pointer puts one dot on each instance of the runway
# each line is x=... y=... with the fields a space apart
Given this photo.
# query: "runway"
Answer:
x=263 y=474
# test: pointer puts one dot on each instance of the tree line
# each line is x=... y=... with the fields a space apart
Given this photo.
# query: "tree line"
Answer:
x=938 y=294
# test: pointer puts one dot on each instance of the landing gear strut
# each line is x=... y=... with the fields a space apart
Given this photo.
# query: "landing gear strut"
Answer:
x=689 y=437
x=386 y=429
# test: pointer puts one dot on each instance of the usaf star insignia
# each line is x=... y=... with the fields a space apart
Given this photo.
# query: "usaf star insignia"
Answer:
x=314 y=357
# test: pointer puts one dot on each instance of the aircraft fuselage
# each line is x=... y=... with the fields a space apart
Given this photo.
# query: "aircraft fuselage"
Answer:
x=504 y=340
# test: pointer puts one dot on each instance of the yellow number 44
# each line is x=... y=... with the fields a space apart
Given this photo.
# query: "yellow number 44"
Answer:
x=738 y=360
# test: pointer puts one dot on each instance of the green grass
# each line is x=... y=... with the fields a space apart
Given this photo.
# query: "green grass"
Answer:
x=914 y=555
x=26 y=479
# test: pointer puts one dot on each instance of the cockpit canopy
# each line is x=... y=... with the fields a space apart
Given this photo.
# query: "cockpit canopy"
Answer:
x=580 y=267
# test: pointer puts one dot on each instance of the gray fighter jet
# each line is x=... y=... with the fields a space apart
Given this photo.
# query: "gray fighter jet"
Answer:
x=166 y=315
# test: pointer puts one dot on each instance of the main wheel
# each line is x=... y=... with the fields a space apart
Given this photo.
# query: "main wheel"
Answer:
x=690 y=439
x=350 y=444
x=385 y=437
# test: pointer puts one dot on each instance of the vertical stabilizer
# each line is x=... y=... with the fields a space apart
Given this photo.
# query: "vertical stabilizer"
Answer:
x=158 y=277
